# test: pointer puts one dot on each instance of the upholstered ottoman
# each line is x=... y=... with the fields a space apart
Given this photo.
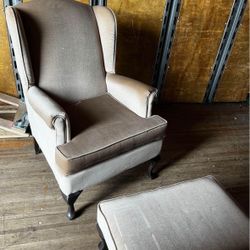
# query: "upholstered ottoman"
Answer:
x=195 y=214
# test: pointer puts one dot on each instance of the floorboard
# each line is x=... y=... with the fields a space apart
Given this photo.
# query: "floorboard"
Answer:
x=201 y=140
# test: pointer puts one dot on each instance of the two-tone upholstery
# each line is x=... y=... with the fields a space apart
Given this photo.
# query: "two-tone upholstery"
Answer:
x=195 y=214
x=115 y=131
x=90 y=123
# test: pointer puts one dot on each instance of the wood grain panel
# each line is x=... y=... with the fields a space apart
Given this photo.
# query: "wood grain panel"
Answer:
x=197 y=38
x=139 y=26
x=234 y=84
x=82 y=1
x=32 y=211
x=7 y=81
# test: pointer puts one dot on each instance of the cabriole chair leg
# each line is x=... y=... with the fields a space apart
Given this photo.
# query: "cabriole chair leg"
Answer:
x=37 y=148
x=70 y=200
x=151 y=169
x=102 y=244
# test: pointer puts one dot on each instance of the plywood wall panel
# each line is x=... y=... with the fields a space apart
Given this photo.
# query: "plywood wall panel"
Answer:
x=7 y=81
x=82 y=1
x=197 y=39
x=139 y=26
x=234 y=84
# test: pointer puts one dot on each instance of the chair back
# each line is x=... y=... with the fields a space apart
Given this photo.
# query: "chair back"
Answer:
x=64 y=46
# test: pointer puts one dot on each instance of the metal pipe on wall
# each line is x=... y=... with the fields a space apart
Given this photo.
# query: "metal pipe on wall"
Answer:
x=225 y=48
x=171 y=14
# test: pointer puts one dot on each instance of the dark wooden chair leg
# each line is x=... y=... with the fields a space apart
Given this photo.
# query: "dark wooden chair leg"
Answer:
x=152 y=173
x=70 y=200
x=37 y=148
x=102 y=244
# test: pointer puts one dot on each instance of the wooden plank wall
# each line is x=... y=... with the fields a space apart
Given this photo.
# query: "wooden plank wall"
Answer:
x=139 y=25
x=234 y=84
x=7 y=81
x=197 y=39
x=82 y=1
x=32 y=210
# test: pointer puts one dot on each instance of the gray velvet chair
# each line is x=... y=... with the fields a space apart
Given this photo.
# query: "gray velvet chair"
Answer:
x=90 y=123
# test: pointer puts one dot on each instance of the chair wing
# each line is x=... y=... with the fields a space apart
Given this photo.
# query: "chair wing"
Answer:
x=136 y=96
x=107 y=26
x=19 y=41
x=79 y=109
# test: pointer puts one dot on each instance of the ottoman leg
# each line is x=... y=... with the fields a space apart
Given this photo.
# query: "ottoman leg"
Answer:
x=151 y=169
x=70 y=200
x=102 y=244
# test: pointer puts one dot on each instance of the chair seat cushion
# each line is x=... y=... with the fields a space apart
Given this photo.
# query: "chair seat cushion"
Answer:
x=102 y=128
x=195 y=214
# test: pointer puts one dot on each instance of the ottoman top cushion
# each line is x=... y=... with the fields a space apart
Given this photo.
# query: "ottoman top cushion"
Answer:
x=195 y=214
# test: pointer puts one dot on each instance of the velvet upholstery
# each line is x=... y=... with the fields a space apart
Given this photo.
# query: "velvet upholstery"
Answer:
x=135 y=95
x=64 y=50
x=59 y=42
x=109 y=129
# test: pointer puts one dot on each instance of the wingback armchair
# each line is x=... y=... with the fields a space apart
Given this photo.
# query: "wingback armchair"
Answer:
x=90 y=123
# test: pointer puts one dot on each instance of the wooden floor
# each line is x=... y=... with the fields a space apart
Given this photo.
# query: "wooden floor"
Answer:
x=201 y=140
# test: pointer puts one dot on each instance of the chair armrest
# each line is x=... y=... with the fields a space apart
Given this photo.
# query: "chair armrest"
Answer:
x=50 y=111
x=133 y=94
